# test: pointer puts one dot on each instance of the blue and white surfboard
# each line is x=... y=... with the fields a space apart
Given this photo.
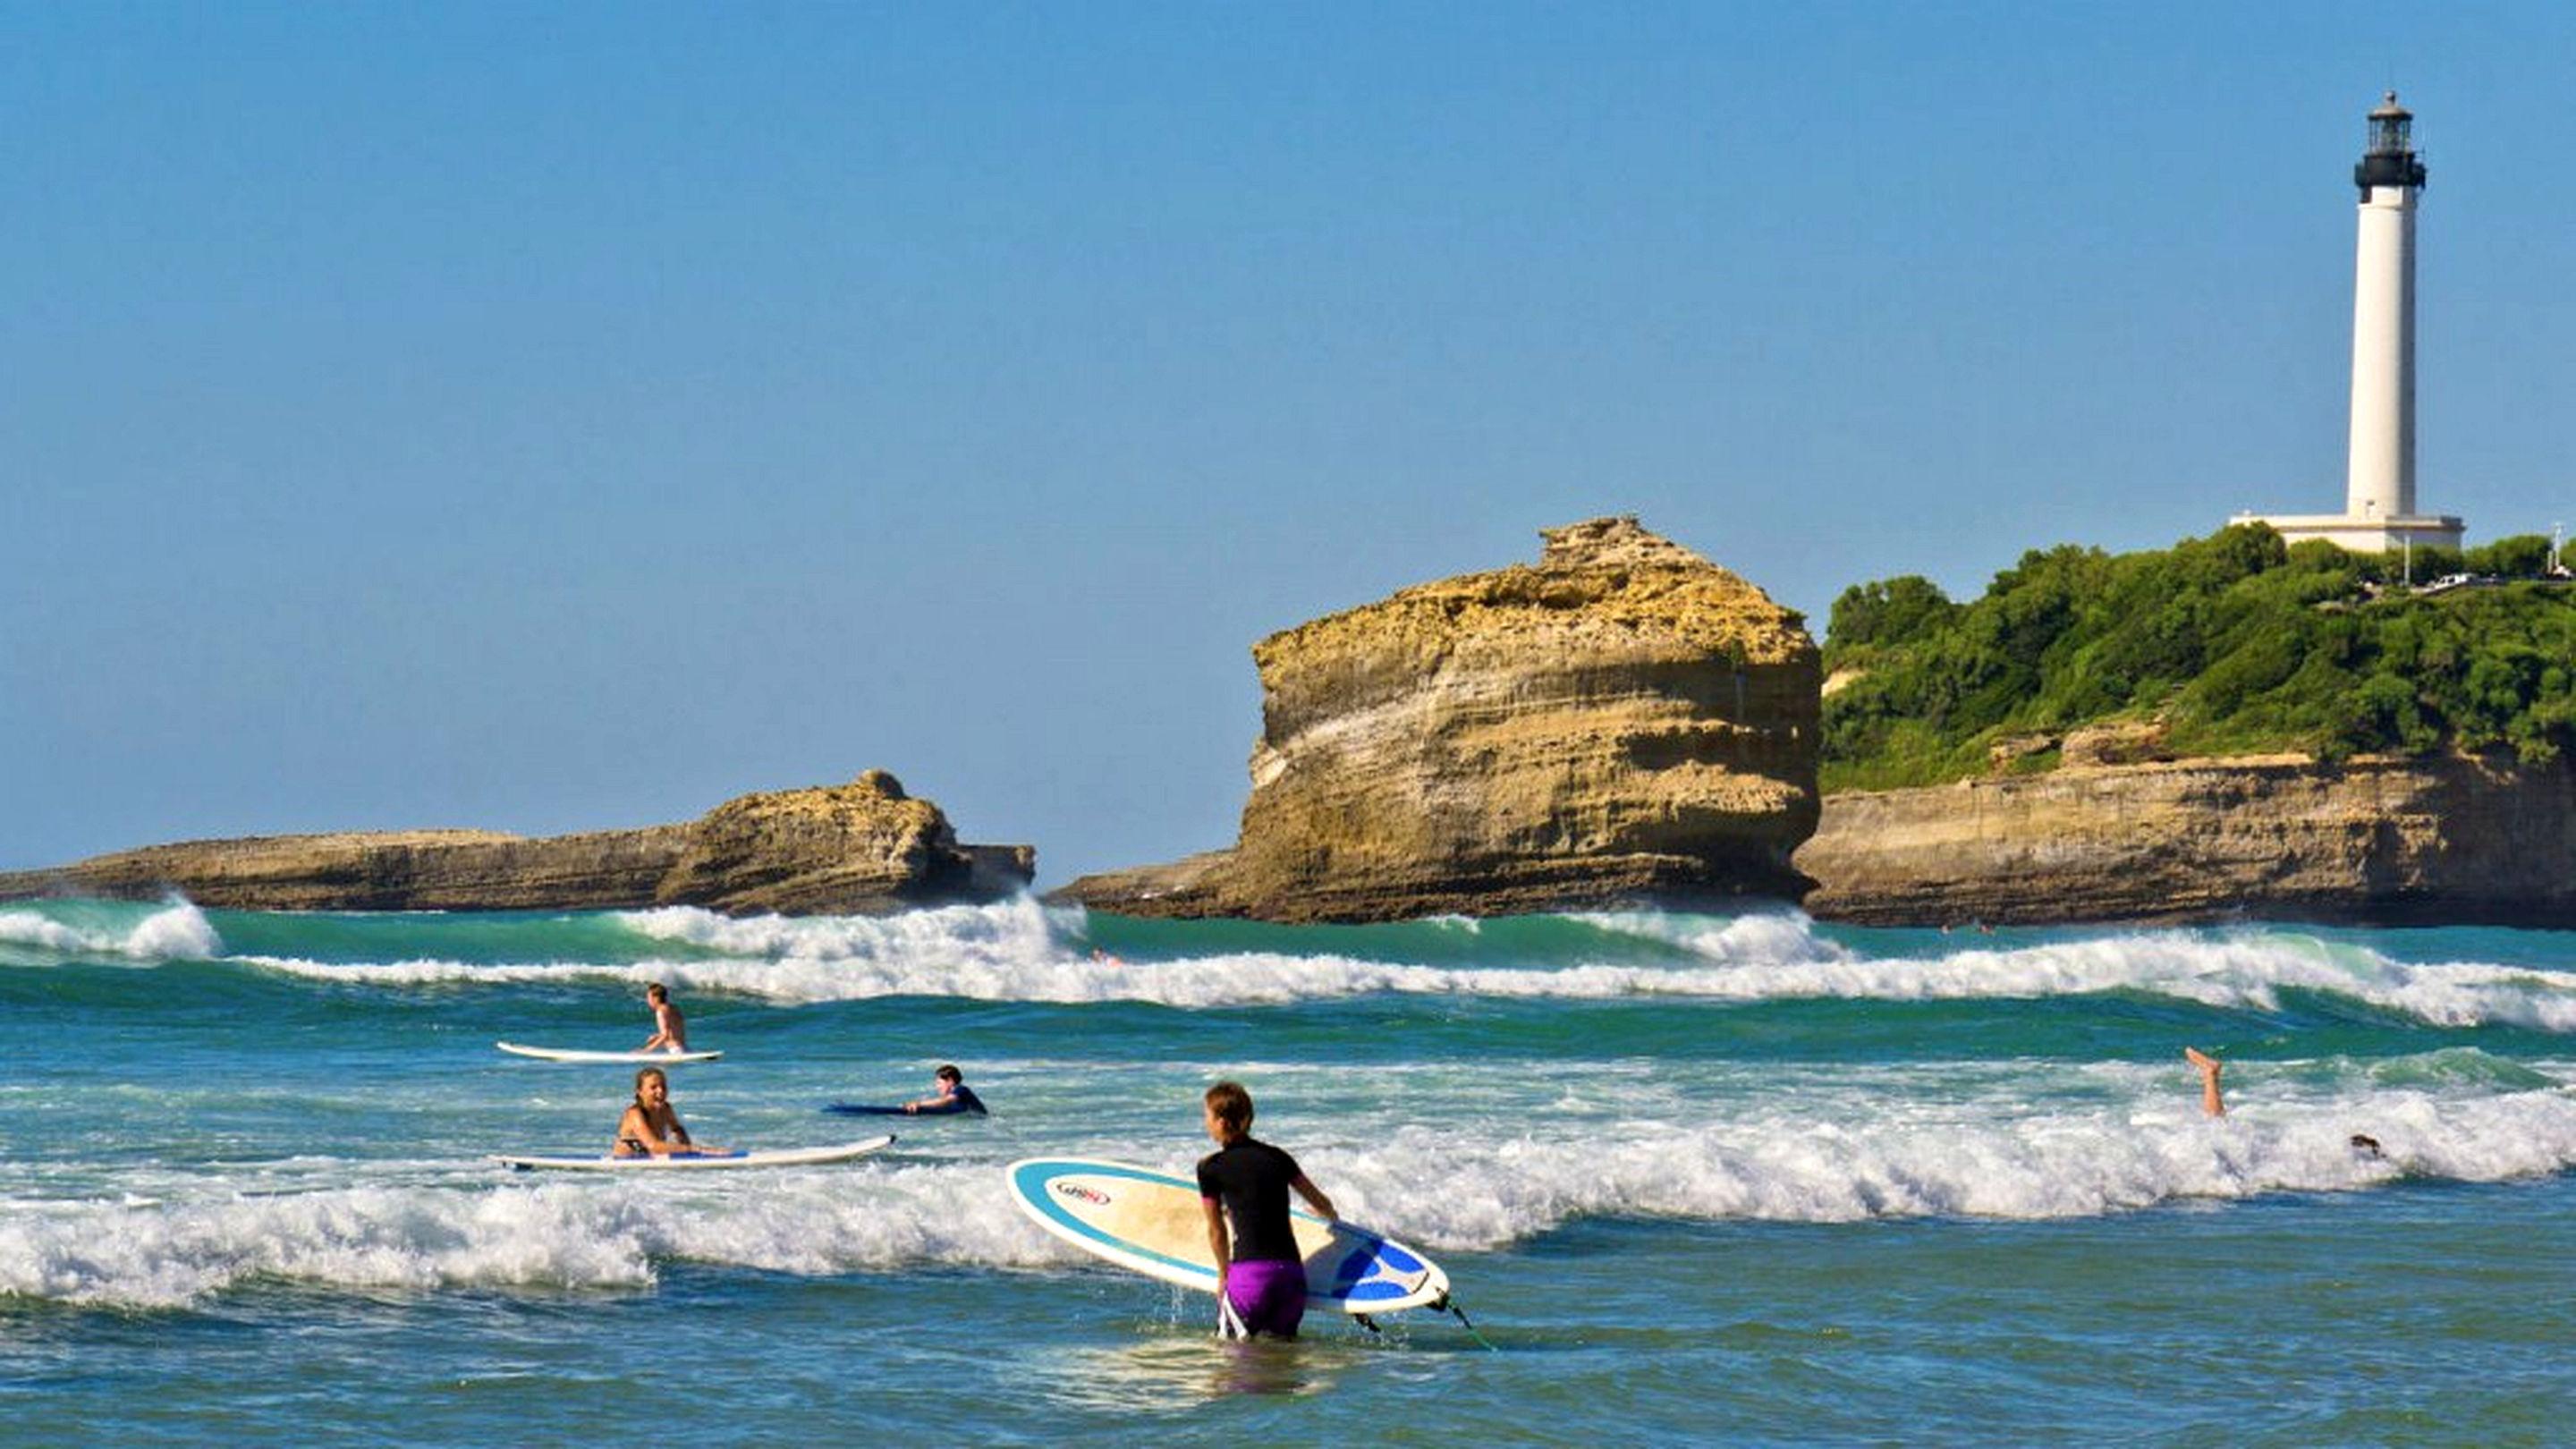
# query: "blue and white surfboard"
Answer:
x=1151 y=1222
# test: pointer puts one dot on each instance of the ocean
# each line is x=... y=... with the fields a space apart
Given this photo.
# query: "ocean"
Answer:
x=1715 y=1179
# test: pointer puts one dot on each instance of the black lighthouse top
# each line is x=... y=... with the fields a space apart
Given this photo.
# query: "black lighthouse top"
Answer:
x=2391 y=159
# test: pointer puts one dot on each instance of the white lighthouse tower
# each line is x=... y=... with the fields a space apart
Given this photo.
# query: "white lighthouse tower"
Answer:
x=2379 y=489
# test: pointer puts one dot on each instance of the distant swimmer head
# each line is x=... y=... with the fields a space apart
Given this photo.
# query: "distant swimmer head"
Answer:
x=650 y=1083
x=948 y=1073
x=1229 y=1111
x=2366 y=1145
x=657 y=993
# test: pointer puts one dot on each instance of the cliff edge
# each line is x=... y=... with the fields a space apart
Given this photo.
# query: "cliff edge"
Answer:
x=860 y=848
x=2431 y=839
x=1622 y=721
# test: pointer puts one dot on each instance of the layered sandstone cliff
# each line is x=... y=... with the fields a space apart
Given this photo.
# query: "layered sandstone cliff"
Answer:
x=2424 y=839
x=841 y=849
x=1623 y=721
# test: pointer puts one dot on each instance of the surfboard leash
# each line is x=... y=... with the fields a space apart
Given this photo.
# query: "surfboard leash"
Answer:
x=1449 y=1303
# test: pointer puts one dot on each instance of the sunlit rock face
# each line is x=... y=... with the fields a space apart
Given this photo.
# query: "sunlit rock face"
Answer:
x=2434 y=839
x=864 y=847
x=1624 y=721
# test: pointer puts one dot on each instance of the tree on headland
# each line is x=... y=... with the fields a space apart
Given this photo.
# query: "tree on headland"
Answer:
x=2230 y=644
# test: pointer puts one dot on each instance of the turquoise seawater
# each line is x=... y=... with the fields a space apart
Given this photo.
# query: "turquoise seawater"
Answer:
x=1696 y=1178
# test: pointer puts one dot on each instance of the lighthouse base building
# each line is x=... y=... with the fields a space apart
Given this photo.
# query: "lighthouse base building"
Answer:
x=2363 y=535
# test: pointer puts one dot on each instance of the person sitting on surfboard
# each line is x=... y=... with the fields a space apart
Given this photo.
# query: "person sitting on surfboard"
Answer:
x=670 y=1034
x=949 y=1094
x=650 y=1127
x=1261 y=1275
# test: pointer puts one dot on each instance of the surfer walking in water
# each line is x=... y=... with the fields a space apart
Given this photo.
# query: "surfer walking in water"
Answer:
x=949 y=1094
x=651 y=1127
x=1243 y=1186
x=670 y=1033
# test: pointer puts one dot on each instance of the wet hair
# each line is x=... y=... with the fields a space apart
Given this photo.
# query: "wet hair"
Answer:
x=656 y=992
x=948 y=1073
x=1232 y=1105
x=641 y=1074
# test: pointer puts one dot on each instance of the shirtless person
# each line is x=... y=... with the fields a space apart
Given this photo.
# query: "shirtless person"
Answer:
x=650 y=1127
x=1260 y=1274
x=670 y=1034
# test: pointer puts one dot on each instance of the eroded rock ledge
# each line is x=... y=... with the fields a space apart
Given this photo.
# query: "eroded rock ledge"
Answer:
x=1624 y=721
x=2440 y=839
x=864 y=847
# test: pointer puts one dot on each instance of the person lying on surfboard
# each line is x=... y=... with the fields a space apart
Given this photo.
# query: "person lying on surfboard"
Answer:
x=1261 y=1276
x=670 y=1033
x=650 y=1127
x=949 y=1093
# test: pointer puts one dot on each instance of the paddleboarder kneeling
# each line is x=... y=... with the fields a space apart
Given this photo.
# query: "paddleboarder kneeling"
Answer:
x=1260 y=1273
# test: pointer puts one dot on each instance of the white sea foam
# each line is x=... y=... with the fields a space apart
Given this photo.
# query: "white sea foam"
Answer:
x=167 y=1251
x=1763 y=938
x=1014 y=930
x=1825 y=1143
x=1020 y=951
x=176 y=932
x=431 y=972
x=1801 y=1156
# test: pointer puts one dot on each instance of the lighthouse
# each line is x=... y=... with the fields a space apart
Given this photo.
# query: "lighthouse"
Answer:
x=2379 y=483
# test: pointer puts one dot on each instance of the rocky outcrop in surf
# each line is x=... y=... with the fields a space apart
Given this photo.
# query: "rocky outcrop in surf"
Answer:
x=861 y=848
x=2435 y=839
x=1623 y=721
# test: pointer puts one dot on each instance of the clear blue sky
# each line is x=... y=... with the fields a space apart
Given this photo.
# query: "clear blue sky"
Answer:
x=550 y=418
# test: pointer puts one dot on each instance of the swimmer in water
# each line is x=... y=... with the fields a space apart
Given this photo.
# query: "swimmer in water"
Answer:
x=2209 y=1067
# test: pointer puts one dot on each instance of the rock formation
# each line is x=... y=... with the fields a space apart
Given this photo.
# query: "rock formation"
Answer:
x=1626 y=720
x=2433 y=839
x=841 y=849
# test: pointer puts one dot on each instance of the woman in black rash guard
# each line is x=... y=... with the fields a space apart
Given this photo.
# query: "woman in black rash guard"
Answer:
x=1261 y=1277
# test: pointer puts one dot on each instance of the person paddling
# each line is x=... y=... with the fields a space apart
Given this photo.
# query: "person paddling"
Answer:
x=950 y=1094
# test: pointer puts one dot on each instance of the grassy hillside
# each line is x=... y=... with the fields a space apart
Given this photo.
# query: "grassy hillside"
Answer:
x=2234 y=643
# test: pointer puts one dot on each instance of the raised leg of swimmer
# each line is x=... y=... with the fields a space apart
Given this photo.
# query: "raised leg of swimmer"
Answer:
x=2209 y=1067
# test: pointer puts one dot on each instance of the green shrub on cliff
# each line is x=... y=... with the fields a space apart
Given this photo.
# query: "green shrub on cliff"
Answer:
x=2233 y=644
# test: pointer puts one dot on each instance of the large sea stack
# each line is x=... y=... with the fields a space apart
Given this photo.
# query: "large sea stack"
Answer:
x=1624 y=722
x=860 y=848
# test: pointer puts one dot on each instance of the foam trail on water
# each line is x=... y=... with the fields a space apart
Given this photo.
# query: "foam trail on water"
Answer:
x=176 y=932
x=147 y=1253
x=1023 y=951
x=1513 y=1153
x=1762 y=938
x=2248 y=973
x=1800 y=1157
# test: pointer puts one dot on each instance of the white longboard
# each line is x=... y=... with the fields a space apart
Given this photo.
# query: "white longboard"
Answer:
x=699 y=1161
x=1151 y=1222
x=568 y=1054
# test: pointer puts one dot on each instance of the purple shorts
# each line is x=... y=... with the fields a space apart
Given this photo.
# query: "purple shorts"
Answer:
x=1267 y=1297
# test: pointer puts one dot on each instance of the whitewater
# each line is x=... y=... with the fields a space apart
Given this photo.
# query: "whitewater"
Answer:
x=1717 y=1160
